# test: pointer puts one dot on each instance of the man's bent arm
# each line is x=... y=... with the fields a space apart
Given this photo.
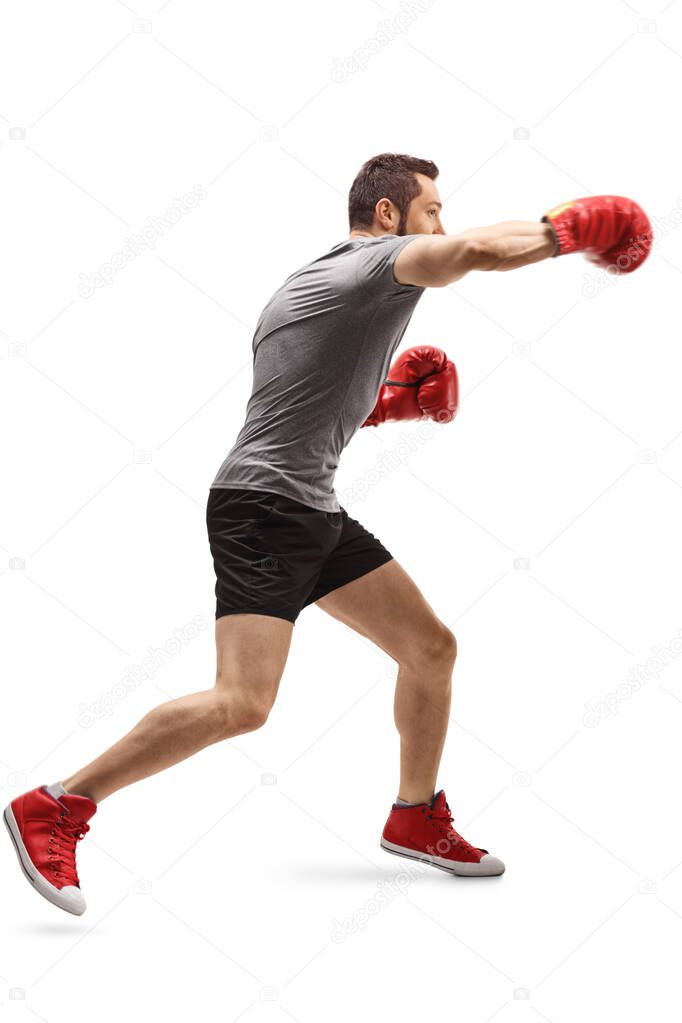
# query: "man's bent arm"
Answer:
x=432 y=261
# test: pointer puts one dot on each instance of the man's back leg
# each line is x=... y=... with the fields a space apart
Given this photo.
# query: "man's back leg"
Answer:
x=46 y=823
x=251 y=652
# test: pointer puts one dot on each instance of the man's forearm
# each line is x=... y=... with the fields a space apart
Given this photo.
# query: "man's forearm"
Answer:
x=510 y=244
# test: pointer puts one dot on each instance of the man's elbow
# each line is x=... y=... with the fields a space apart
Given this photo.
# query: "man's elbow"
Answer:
x=484 y=254
x=472 y=254
x=469 y=255
x=436 y=268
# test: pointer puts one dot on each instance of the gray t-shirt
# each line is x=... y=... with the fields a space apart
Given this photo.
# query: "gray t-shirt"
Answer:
x=322 y=349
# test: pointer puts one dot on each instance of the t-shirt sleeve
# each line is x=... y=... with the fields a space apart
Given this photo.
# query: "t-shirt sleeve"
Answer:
x=375 y=266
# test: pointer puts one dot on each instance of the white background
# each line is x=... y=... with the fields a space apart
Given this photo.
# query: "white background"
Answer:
x=213 y=893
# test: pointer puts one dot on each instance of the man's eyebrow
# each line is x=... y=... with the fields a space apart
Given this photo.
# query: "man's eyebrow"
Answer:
x=435 y=203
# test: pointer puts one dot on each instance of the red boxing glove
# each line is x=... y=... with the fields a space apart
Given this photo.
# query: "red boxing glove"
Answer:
x=422 y=384
x=612 y=231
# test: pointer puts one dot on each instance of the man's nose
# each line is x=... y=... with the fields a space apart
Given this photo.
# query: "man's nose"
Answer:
x=440 y=229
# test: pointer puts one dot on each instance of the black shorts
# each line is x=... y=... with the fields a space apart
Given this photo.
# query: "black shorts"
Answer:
x=274 y=556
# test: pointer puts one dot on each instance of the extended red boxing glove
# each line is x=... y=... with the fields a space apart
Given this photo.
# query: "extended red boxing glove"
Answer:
x=612 y=231
x=422 y=384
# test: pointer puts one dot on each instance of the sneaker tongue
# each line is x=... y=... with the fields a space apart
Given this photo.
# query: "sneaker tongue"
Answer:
x=81 y=807
x=439 y=803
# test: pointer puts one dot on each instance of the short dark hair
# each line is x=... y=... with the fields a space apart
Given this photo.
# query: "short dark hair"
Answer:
x=390 y=176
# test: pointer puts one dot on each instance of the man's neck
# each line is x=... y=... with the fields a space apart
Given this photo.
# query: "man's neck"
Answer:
x=368 y=233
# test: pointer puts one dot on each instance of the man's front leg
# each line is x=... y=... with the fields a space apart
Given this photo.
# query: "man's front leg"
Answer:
x=422 y=709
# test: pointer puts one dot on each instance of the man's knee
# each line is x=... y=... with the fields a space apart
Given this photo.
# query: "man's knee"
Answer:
x=446 y=644
x=237 y=713
x=434 y=645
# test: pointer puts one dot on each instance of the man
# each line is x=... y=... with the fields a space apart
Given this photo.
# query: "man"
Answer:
x=280 y=540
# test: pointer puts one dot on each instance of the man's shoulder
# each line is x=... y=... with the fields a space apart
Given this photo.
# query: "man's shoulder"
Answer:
x=354 y=262
x=335 y=255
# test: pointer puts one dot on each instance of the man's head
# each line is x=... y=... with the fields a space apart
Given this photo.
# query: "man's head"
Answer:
x=395 y=194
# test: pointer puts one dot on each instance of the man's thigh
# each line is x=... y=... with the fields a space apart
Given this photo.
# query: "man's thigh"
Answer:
x=387 y=607
x=251 y=653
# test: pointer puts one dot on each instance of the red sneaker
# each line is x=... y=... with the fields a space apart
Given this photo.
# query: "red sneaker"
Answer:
x=426 y=832
x=45 y=831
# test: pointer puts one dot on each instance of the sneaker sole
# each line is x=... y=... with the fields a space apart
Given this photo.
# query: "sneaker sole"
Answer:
x=458 y=869
x=34 y=877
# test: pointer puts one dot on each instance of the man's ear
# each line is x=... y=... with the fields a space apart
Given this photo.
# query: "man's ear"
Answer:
x=386 y=214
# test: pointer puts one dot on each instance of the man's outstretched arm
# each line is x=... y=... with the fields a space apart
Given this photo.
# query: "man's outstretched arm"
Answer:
x=611 y=230
x=432 y=261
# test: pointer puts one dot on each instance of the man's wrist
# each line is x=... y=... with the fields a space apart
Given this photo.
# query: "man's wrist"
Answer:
x=552 y=236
